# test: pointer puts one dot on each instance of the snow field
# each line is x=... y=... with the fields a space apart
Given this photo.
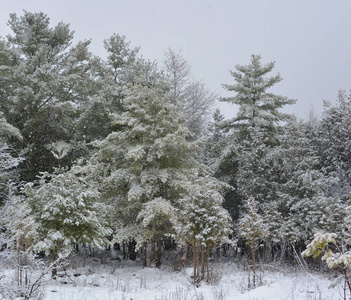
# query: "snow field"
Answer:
x=128 y=281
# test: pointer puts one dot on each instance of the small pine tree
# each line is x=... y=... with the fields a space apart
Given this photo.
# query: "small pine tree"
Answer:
x=203 y=220
x=253 y=230
x=68 y=211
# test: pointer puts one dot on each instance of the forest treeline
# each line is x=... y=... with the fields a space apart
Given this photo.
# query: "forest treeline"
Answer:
x=122 y=151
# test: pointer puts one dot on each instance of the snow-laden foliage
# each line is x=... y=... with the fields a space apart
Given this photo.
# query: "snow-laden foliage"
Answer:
x=158 y=217
x=7 y=130
x=46 y=84
x=21 y=227
x=296 y=189
x=8 y=171
x=257 y=106
x=202 y=217
x=335 y=254
x=67 y=209
x=145 y=162
x=60 y=149
x=321 y=245
x=7 y=161
x=334 y=143
x=252 y=227
x=253 y=133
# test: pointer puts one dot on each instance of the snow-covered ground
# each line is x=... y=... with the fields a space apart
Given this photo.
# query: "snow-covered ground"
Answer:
x=122 y=280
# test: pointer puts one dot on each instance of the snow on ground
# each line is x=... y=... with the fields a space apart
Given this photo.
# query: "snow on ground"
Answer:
x=129 y=281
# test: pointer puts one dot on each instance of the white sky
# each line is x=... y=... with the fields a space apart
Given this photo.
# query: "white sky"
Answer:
x=310 y=40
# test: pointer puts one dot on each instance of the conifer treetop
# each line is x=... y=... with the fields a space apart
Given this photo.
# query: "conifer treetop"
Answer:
x=257 y=106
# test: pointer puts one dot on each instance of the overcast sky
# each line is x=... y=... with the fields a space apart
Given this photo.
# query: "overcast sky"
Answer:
x=309 y=40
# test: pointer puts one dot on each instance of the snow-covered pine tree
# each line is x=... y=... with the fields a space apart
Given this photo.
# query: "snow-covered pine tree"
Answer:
x=223 y=165
x=257 y=107
x=334 y=143
x=114 y=75
x=255 y=130
x=47 y=83
x=203 y=222
x=68 y=211
x=253 y=229
x=299 y=200
x=145 y=164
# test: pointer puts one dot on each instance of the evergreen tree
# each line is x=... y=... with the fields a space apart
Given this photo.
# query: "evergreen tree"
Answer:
x=203 y=221
x=254 y=132
x=145 y=163
x=253 y=230
x=47 y=83
x=334 y=143
x=258 y=108
x=219 y=156
x=300 y=200
x=67 y=210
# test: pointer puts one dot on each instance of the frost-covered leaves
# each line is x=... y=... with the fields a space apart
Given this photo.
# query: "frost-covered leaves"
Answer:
x=67 y=209
x=21 y=227
x=333 y=256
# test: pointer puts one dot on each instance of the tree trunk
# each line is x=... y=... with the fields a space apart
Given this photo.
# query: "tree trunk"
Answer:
x=194 y=259
x=207 y=262
x=54 y=266
x=159 y=252
x=144 y=255
x=253 y=253
x=26 y=270
x=202 y=262
x=282 y=255
x=153 y=252
x=124 y=250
